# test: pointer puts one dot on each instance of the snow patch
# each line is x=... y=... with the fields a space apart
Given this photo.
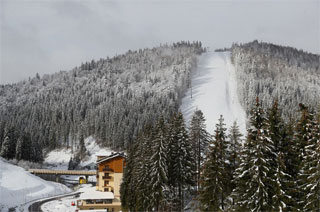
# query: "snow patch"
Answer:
x=18 y=186
x=60 y=158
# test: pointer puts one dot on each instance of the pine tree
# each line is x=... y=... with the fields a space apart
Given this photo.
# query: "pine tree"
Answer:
x=215 y=181
x=303 y=130
x=19 y=148
x=200 y=139
x=274 y=126
x=302 y=136
x=9 y=144
x=142 y=171
x=281 y=199
x=5 y=149
x=254 y=190
x=82 y=148
x=235 y=149
x=180 y=161
x=310 y=172
x=290 y=157
x=127 y=191
x=159 y=169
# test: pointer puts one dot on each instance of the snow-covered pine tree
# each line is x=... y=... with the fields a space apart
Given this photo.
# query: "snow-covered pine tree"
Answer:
x=215 y=185
x=200 y=139
x=289 y=153
x=19 y=148
x=180 y=161
x=211 y=186
x=234 y=151
x=281 y=198
x=274 y=126
x=5 y=149
x=142 y=171
x=302 y=136
x=303 y=129
x=159 y=168
x=8 y=149
x=2 y=131
x=254 y=190
x=127 y=191
x=36 y=151
x=310 y=172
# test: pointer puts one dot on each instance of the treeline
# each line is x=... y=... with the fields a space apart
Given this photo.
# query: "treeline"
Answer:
x=110 y=99
x=18 y=145
x=276 y=72
x=277 y=168
x=164 y=163
x=274 y=168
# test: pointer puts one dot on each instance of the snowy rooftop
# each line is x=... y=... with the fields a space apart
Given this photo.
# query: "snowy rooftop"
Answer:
x=114 y=155
x=92 y=193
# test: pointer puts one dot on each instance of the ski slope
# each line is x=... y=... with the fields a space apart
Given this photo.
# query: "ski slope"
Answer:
x=214 y=92
x=18 y=187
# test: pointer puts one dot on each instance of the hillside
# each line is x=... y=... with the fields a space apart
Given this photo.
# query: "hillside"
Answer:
x=276 y=72
x=111 y=99
x=18 y=187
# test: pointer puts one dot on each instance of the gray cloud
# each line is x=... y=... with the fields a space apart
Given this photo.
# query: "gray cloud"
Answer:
x=48 y=36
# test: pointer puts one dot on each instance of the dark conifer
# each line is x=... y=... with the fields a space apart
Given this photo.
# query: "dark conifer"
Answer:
x=309 y=177
x=200 y=139
x=255 y=190
x=159 y=169
x=235 y=149
x=215 y=185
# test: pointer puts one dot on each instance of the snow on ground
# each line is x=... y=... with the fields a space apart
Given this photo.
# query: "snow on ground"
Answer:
x=214 y=92
x=18 y=186
x=65 y=204
x=61 y=205
x=59 y=158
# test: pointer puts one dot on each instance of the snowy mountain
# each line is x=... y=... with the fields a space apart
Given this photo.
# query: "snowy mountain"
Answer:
x=111 y=99
x=18 y=187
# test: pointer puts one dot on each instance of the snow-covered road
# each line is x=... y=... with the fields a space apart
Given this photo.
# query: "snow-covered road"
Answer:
x=214 y=92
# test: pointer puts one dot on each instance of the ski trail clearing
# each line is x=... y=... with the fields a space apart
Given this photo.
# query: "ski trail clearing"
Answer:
x=214 y=92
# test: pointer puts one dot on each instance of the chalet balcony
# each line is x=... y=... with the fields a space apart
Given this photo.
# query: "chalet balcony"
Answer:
x=106 y=177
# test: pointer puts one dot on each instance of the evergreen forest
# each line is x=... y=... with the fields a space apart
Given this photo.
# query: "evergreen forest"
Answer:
x=274 y=167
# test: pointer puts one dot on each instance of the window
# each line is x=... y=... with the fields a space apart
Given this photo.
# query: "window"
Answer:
x=89 y=201
x=106 y=189
x=99 y=201
x=106 y=182
x=107 y=201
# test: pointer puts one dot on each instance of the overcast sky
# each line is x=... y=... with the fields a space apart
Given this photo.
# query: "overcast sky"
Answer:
x=42 y=36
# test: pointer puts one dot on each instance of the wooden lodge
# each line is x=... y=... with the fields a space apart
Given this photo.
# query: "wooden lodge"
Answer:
x=106 y=195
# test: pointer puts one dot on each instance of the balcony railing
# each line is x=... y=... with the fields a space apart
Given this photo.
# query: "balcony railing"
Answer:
x=106 y=177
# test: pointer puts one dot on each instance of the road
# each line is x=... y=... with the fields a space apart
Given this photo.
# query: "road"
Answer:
x=36 y=207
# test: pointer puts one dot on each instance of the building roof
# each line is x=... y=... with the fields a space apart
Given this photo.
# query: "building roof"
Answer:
x=94 y=194
x=117 y=154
